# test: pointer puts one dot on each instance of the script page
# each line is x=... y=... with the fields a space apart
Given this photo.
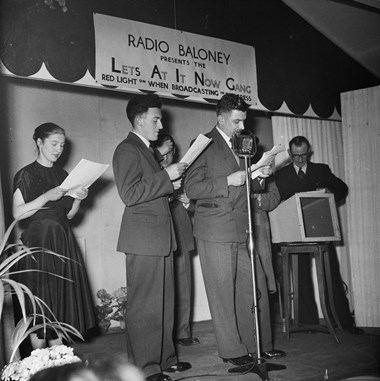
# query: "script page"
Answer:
x=266 y=159
x=83 y=175
x=200 y=143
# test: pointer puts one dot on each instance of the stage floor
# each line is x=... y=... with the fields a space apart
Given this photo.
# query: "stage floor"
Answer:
x=309 y=355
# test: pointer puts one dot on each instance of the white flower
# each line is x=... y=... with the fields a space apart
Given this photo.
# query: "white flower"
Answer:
x=39 y=359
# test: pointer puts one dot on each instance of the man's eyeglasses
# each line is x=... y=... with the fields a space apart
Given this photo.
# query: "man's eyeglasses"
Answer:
x=299 y=157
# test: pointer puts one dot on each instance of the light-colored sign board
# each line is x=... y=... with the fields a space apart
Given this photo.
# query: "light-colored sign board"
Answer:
x=139 y=56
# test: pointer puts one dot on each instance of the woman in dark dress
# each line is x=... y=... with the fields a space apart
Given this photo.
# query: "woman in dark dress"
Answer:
x=40 y=201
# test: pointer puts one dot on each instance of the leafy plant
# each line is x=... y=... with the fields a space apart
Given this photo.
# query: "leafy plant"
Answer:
x=27 y=325
x=120 y=297
x=111 y=307
x=104 y=310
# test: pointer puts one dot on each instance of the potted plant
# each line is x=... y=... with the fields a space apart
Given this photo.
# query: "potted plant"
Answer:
x=10 y=255
x=104 y=310
x=120 y=297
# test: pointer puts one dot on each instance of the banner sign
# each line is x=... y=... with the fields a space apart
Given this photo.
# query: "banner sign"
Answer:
x=139 y=56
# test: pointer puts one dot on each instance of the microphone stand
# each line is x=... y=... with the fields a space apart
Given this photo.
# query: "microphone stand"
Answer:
x=260 y=367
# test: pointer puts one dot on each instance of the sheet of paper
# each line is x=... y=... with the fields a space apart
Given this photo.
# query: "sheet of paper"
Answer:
x=83 y=175
x=200 y=143
x=266 y=159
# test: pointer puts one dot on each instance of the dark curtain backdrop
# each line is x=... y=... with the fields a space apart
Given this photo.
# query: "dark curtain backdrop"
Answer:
x=295 y=63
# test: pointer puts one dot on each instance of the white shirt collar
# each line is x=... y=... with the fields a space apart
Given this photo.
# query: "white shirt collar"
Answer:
x=146 y=141
x=304 y=168
x=224 y=136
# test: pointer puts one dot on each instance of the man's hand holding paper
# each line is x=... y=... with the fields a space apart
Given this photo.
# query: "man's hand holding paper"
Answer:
x=263 y=172
x=263 y=167
x=176 y=170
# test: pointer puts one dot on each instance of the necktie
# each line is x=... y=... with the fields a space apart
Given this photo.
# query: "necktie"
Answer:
x=151 y=149
x=236 y=156
x=301 y=174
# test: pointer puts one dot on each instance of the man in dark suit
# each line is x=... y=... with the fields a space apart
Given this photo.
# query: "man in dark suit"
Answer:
x=148 y=239
x=313 y=176
x=216 y=182
x=301 y=175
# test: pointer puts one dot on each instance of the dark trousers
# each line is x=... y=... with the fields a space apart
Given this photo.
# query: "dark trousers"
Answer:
x=227 y=274
x=150 y=312
x=183 y=288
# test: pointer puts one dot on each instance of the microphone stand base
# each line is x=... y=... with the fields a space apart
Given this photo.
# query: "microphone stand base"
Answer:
x=261 y=368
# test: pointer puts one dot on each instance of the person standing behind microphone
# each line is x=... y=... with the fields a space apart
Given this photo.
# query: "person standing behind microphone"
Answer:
x=216 y=181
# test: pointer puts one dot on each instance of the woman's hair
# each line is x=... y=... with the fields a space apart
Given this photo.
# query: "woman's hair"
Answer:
x=44 y=130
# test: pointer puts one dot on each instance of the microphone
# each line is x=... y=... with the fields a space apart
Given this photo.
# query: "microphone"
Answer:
x=244 y=143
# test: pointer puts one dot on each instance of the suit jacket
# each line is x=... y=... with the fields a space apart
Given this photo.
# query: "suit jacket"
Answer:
x=220 y=210
x=146 y=226
x=182 y=225
x=317 y=176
